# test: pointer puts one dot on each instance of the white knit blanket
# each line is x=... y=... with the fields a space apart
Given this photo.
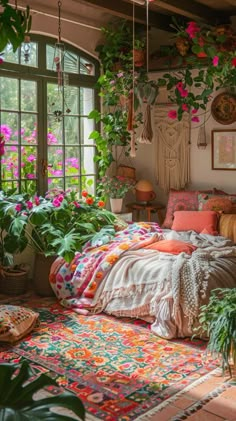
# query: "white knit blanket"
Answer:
x=161 y=287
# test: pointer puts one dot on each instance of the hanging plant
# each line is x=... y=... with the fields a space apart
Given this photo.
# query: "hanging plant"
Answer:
x=208 y=64
x=14 y=24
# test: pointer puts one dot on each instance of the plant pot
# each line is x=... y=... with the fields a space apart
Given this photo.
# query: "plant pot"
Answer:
x=116 y=205
x=42 y=266
x=139 y=57
x=13 y=281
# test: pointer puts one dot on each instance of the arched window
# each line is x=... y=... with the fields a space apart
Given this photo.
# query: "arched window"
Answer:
x=44 y=121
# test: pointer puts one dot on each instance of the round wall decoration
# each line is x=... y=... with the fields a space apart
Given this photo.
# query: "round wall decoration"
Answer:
x=223 y=108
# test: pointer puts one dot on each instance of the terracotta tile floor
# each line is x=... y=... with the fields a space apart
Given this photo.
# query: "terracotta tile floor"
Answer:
x=212 y=400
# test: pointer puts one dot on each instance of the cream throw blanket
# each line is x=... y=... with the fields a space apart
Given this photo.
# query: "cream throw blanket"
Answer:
x=164 y=289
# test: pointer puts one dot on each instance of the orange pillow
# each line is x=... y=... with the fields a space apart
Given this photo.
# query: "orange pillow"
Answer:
x=172 y=246
x=196 y=221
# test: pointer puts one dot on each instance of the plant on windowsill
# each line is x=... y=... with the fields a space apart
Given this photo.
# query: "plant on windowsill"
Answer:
x=208 y=59
x=217 y=319
x=15 y=24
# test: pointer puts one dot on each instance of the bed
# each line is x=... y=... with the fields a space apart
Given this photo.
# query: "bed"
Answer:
x=159 y=275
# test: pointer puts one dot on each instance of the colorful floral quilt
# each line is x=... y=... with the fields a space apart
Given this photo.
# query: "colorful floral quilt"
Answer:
x=75 y=284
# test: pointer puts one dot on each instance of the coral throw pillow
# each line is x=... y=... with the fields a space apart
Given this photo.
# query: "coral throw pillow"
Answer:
x=197 y=221
x=179 y=200
x=16 y=322
x=172 y=246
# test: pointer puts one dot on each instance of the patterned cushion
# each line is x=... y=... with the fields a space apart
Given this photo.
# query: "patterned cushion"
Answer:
x=218 y=203
x=179 y=200
x=16 y=322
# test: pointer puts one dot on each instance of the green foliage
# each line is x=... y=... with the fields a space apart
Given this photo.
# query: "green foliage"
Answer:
x=13 y=238
x=17 y=387
x=217 y=319
x=14 y=25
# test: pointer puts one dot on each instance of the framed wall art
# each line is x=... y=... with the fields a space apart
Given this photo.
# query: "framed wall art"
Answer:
x=223 y=145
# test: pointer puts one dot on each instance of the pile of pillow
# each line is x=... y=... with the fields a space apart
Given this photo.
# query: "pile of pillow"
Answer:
x=16 y=322
x=183 y=210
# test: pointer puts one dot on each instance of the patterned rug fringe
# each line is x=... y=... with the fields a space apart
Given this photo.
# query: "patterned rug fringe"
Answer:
x=167 y=402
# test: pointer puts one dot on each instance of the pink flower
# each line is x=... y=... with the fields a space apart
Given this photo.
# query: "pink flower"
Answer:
x=184 y=107
x=29 y=205
x=195 y=119
x=18 y=207
x=233 y=62
x=60 y=197
x=119 y=75
x=30 y=176
x=36 y=200
x=179 y=86
x=31 y=158
x=215 y=61
x=183 y=93
x=2 y=143
x=56 y=203
x=194 y=111
x=172 y=114
x=192 y=29
x=77 y=205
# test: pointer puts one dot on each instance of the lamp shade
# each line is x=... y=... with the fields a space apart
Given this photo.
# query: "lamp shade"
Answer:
x=144 y=191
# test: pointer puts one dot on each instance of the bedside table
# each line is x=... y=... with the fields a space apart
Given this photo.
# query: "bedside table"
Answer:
x=149 y=207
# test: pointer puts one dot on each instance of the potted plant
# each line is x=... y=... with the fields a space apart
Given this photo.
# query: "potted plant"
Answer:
x=18 y=388
x=15 y=24
x=115 y=187
x=208 y=63
x=13 y=240
x=217 y=319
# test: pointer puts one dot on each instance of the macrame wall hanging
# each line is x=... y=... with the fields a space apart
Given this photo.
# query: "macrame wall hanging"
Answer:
x=172 y=150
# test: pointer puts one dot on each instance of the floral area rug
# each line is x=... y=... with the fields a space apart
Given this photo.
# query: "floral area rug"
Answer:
x=119 y=369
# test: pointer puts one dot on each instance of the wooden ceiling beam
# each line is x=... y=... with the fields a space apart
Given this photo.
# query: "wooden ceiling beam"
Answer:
x=123 y=9
x=193 y=10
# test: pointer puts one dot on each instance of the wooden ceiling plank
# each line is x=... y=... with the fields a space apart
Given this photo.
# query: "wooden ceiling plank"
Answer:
x=192 y=9
x=124 y=10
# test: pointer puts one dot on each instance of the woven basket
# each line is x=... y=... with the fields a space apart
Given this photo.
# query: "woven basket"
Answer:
x=126 y=171
x=14 y=282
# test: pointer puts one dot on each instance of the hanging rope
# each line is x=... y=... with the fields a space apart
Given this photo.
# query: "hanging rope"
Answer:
x=131 y=100
x=147 y=133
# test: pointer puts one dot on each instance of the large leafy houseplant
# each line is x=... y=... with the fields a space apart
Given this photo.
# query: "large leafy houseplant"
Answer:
x=15 y=24
x=217 y=319
x=18 y=386
x=13 y=237
x=61 y=223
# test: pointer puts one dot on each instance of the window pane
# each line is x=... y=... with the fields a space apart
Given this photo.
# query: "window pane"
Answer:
x=86 y=127
x=57 y=183
x=72 y=99
x=54 y=99
x=72 y=130
x=71 y=62
x=86 y=67
x=29 y=134
x=10 y=56
x=9 y=127
x=50 y=57
x=72 y=161
x=9 y=170
x=28 y=95
x=55 y=162
x=9 y=93
x=29 y=54
x=86 y=101
x=88 y=183
x=87 y=162
x=28 y=163
x=72 y=183
x=54 y=136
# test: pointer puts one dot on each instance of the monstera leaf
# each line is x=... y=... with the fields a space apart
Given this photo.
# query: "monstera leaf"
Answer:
x=18 y=386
